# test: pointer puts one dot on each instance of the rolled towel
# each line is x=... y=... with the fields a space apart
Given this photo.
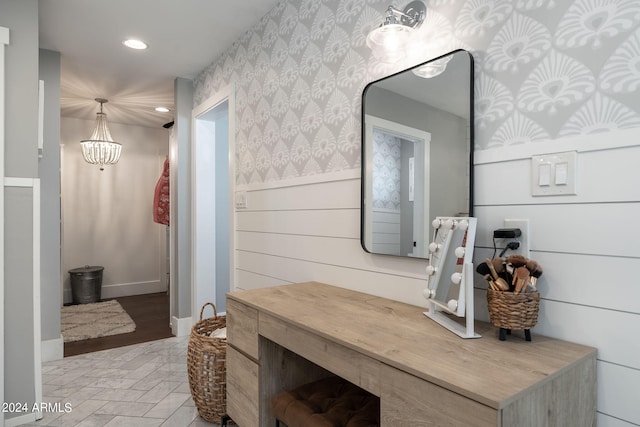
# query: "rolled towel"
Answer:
x=219 y=333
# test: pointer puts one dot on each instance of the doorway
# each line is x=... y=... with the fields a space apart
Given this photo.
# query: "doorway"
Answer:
x=107 y=220
x=212 y=208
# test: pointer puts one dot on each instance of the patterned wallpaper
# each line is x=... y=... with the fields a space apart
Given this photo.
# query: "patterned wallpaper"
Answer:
x=545 y=69
x=386 y=171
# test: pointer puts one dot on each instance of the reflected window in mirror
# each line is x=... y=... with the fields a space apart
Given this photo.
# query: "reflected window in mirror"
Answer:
x=417 y=138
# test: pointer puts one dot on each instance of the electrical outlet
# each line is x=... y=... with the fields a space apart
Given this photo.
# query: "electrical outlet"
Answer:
x=523 y=225
x=241 y=200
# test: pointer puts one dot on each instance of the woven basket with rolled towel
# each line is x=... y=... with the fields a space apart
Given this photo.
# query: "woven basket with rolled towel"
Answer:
x=206 y=366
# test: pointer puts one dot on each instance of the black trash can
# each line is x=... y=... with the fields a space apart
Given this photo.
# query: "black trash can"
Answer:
x=86 y=284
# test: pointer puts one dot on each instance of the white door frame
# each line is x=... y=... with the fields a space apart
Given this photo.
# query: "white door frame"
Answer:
x=423 y=141
x=225 y=94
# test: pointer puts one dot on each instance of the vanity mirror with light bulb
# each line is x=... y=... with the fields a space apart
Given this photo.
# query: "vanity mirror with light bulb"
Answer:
x=449 y=290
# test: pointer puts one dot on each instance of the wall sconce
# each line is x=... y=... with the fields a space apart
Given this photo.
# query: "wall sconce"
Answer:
x=100 y=149
x=390 y=40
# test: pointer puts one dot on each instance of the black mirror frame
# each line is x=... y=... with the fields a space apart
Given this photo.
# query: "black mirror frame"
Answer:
x=471 y=137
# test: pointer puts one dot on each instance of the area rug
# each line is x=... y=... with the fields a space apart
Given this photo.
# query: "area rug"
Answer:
x=86 y=321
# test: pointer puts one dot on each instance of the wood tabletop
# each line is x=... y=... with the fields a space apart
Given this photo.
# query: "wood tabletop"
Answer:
x=487 y=370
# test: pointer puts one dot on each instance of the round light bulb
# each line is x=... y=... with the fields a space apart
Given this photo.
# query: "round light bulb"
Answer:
x=463 y=225
x=427 y=293
x=452 y=304
x=430 y=270
x=436 y=223
x=433 y=247
x=449 y=224
x=456 y=278
x=135 y=44
x=460 y=252
x=389 y=42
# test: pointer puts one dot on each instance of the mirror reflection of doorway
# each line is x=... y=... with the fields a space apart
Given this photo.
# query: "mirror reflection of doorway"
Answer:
x=399 y=188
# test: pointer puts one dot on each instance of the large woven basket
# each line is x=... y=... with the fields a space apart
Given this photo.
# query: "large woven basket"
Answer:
x=206 y=367
x=509 y=310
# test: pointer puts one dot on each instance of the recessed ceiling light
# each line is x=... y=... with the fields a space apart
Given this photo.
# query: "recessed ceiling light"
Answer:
x=135 y=44
x=162 y=109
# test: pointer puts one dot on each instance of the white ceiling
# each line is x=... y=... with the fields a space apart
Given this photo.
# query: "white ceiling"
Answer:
x=184 y=36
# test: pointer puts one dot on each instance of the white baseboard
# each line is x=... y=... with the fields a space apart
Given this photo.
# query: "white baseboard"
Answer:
x=128 y=289
x=181 y=327
x=124 y=290
x=20 y=420
x=53 y=349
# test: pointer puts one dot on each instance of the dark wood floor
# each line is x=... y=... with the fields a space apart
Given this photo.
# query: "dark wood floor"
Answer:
x=150 y=312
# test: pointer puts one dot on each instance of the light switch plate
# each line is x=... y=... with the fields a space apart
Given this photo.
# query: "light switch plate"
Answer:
x=561 y=168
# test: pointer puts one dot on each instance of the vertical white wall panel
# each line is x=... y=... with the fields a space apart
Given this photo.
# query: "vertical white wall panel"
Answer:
x=4 y=40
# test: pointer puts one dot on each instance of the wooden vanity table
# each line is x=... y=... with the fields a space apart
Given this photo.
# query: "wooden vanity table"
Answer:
x=285 y=336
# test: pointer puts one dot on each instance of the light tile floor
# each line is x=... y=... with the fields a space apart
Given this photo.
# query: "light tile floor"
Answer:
x=135 y=386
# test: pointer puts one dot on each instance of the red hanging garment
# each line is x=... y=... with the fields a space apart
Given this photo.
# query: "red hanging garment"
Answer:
x=161 y=197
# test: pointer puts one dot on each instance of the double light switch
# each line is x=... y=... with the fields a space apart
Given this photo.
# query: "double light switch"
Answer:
x=553 y=174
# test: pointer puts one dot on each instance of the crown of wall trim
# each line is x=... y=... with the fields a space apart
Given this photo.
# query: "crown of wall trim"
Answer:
x=344 y=175
x=581 y=143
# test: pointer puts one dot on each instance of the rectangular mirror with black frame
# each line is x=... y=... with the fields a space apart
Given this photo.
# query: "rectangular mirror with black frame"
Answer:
x=417 y=153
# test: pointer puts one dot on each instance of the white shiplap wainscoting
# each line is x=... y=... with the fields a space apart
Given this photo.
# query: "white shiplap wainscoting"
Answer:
x=588 y=247
x=386 y=231
x=309 y=229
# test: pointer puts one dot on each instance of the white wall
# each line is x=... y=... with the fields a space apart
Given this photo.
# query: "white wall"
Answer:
x=204 y=214
x=107 y=215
